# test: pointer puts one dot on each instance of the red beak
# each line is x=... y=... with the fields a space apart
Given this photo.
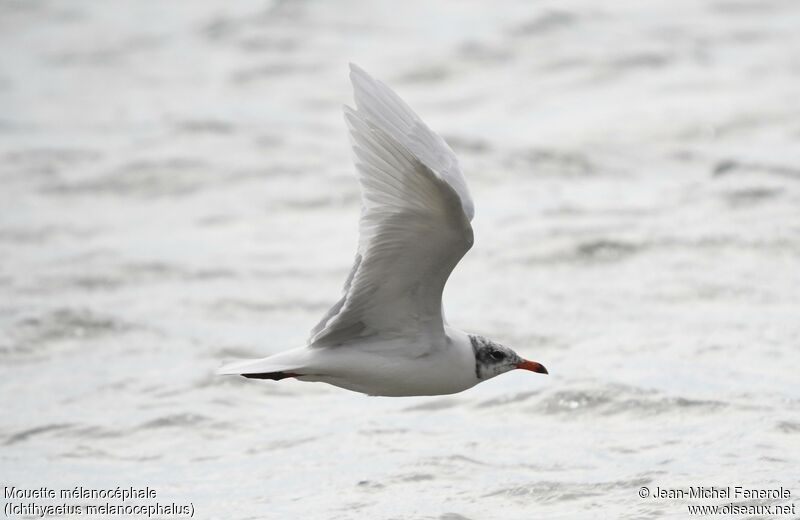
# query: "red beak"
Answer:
x=533 y=366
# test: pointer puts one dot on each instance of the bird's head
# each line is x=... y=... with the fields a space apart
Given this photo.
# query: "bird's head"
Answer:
x=493 y=359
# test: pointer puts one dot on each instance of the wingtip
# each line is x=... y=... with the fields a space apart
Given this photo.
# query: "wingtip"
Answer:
x=360 y=78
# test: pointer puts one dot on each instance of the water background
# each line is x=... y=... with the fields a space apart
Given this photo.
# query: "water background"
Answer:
x=176 y=191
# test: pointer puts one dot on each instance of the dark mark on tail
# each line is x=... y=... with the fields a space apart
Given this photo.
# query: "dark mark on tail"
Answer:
x=275 y=376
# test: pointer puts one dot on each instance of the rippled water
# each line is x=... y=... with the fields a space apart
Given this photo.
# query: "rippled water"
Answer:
x=177 y=192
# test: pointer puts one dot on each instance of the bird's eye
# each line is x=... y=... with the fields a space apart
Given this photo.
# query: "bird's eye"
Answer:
x=497 y=354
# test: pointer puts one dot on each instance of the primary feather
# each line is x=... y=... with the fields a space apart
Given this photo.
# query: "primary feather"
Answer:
x=414 y=226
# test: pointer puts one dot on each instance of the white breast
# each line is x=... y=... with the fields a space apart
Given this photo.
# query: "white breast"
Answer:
x=385 y=368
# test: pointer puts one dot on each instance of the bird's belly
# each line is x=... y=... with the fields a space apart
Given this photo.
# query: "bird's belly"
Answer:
x=374 y=374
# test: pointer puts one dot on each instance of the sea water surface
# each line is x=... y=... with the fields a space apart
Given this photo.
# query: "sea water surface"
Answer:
x=177 y=192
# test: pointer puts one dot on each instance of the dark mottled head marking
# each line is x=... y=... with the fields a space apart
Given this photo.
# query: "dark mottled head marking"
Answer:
x=492 y=359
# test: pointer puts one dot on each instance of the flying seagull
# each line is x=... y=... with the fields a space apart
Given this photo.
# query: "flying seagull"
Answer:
x=387 y=335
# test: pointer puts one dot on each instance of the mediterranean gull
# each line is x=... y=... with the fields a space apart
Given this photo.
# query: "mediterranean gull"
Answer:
x=387 y=335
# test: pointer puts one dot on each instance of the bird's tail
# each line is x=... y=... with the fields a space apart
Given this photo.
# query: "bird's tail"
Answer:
x=275 y=367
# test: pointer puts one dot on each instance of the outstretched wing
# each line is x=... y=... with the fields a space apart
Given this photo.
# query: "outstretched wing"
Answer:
x=384 y=109
x=414 y=227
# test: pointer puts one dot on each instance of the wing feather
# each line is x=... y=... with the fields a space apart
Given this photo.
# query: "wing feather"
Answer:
x=380 y=105
x=413 y=230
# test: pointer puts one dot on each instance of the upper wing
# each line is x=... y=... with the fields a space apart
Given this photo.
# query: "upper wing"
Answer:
x=384 y=109
x=414 y=227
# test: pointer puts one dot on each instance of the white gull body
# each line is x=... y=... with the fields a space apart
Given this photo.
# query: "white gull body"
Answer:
x=387 y=335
